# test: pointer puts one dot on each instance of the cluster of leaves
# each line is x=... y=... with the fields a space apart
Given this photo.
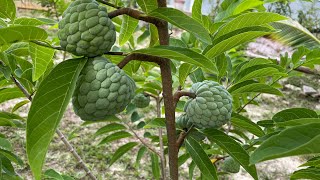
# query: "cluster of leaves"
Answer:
x=203 y=51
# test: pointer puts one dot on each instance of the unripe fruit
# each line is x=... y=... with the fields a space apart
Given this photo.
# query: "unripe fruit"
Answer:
x=86 y=29
x=212 y=106
x=230 y=165
x=141 y=101
x=183 y=122
x=102 y=89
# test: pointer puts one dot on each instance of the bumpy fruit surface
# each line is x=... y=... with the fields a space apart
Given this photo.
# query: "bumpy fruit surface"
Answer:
x=86 y=29
x=141 y=101
x=212 y=106
x=102 y=89
x=230 y=165
x=183 y=122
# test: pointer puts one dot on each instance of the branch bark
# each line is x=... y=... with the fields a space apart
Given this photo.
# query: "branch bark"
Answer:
x=162 y=156
x=135 y=14
x=140 y=57
x=178 y=94
x=182 y=136
x=62 y=137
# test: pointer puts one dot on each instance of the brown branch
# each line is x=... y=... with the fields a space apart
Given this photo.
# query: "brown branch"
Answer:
x=152 y=95
x=162 y=156
x=135 y=14
x=109 y=4
x=62 y=137
x=139 y=57
x=182 y=136
x=47 y=45
x=178 y=94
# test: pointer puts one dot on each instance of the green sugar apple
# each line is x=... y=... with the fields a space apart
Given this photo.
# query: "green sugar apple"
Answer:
x=183 y=122
x=212 y=106
x=86 y=29
x=102 y=89
x=230 y=165
x=141 y=101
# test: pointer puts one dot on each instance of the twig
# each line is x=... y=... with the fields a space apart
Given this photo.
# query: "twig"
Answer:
x=139 y=57
x=152 y=95
x=178 y=94
x=135 y=14
x=62 y=137
x=182 y=136
x=109 y=4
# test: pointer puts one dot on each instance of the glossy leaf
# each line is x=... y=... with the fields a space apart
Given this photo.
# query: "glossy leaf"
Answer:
x=8 y=9
x=121 y=151
x=109 y=128
x=180 y=54
x=128 y=26
x=21 y=33
x=200 y=158
x=298 y=140
x=47 y=109
x=234 y=149
x=182 y=21
x=10 y=93
x=41 y=58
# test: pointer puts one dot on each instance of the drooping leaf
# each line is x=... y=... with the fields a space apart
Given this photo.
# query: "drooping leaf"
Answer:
x=109 y=128
x=10 y=93
x=154 y=37
x=121 y=151
x=11 y=156
x=147 y=5
x=41 y=58
x=5 y=144
x=184 y=71
x=128 y=26
x=299 y=140
x=180 y=54
x=8 y=9
x=115 y=136
x=200 y=158
x=182 y=21
x=155 y=166
x=21 y=33
x=156 y=123
x=47 y=109
x=19 y=104
x=234 y=149
x=246 y=124
x=52 y=174
x=140 y=154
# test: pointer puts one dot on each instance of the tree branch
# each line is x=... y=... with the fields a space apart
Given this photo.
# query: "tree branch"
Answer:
x=140 y=57
x=135 y=14
x=109 y=4
x=179 y=94
x=62 y=137
x=182 y=136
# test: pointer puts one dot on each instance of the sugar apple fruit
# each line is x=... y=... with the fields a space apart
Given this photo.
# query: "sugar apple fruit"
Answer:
x=141 y=101
x=102 y=89
x=230 y=165
x=86 y=29
x=212 y=106
x=183 y=122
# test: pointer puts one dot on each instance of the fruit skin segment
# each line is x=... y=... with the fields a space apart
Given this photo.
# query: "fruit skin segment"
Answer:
x=212 y=106
x=86 y=29
x=102 y=89
x=230 y=165
x=141 y=101
x=183 y=122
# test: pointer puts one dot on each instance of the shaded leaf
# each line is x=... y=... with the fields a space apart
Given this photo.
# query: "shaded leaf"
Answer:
x=155 y=165
x=309 y=173
x=121 y=151
x=108 y=128
x=10 y=93
x=246 y=124
x=140 y=154
x=156 y=123
x=19 y=105
x=115 y=136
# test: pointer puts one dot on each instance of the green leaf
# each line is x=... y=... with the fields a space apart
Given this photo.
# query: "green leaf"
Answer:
x=191 y=169
x=156 y=123
x=233 y=41
x=312 y=162
x=19 y=104
x=294 y=34
x=14 y=34
x=154 y=37
x=246 y=124
x=196 y=11
x=297 y=122
x=201 y=159
x=47 y=109
x=111 y=118
x=309 y=173
x=294 y=113
x=182 y=21
x=8 y=9
x=257 y=88
x=30 y=21
x=247 y=20
x=52 y=174
x=140 y=154
x=155 y=166
x=234 y=149
x=263 y=72
x=5 y=144
x=12 y=157
x=147 y=5
x=180 y=54
x=128 y=26
x=121 y=151
x=115 y=136
x=41 y=58
x=109 y=128
x=184 y=71
x=19 y=49
x=7 y=115
x=10 y=93
x=297 y=140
